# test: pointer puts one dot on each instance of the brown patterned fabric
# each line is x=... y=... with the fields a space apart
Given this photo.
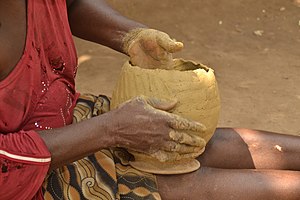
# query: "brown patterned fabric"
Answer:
x=105 y=175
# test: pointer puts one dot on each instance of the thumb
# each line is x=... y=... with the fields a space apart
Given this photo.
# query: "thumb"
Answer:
x=167 y=43
x=161 y=104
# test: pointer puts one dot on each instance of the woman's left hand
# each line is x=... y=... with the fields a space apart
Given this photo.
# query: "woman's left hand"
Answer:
x=149 y=48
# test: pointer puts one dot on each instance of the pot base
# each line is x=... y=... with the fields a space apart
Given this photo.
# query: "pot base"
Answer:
x=178 y=167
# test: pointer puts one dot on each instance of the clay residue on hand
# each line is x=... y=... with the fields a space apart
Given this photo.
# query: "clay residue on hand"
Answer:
x=150 y=48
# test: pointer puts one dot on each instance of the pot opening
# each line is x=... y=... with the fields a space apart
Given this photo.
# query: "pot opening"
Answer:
x=182 y=65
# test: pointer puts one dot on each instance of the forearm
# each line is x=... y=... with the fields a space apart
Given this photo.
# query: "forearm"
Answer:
x=76 y=141
x=96 y=21
x=140 y=124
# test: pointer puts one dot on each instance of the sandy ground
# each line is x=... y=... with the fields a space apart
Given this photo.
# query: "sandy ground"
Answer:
x=254 y=47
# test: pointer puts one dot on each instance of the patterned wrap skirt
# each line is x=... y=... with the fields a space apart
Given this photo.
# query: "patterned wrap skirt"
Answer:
x=105 y=175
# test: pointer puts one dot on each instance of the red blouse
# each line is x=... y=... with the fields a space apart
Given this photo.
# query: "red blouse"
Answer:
x=38 y=94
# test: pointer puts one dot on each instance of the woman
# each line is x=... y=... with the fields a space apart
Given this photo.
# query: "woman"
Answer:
x=38 y=97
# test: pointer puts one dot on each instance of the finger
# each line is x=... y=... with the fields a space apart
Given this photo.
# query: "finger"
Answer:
x=184 y=138
x=167 y=43
x=161 y=104
x=180 y=123
x=181 y=148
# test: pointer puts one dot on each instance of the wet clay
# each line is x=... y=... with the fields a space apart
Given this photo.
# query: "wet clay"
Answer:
x=195 y=88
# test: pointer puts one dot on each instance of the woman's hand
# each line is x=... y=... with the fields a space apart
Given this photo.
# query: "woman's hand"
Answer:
x=149 y=48
x=142 y=124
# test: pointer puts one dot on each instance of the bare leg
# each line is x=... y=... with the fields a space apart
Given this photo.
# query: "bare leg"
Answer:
x=236 y=149
x=212 y=183
x=244 y=148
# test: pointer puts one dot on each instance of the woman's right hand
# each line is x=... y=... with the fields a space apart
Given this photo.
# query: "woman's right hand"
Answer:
x=142 y=124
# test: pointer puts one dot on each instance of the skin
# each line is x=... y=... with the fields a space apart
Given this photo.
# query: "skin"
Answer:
x=108 y=30
x=255 y=165
x=151 y=48
x=12 y=37
x=116 y=128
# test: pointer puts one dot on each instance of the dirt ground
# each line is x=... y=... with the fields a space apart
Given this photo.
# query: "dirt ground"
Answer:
x=254 y=47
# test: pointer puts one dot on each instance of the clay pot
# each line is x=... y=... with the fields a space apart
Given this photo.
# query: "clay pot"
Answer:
x=192 y=84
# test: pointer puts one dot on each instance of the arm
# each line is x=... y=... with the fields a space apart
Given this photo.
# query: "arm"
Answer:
x=117 y=129
x=96 y=21
x=76 y=141
x=25 y=156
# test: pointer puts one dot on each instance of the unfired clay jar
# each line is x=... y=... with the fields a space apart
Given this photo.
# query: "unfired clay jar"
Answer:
x=192 y=84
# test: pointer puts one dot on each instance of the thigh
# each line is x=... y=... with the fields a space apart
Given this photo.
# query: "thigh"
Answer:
x=243 y=148
x=212 y=183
